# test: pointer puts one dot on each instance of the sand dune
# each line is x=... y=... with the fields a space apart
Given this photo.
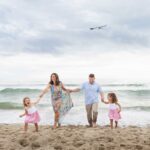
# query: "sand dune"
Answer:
x=74 y=138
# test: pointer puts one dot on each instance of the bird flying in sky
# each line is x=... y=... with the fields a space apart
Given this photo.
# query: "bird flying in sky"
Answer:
x=100 y=27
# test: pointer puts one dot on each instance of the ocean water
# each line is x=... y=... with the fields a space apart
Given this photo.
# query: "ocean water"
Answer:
x=134 y=99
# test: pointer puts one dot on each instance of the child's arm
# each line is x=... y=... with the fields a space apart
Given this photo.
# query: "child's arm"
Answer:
x=119 y=106
x=23 y=114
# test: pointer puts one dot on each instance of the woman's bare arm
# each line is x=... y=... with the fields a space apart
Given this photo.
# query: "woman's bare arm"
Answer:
x=69 y=90
x=45 y=90
x=63 y=87
x=37 y=101
x=25 y=112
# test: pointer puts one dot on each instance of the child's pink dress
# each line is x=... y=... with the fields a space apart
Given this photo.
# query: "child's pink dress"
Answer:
x=113 y=112
x=32 y=115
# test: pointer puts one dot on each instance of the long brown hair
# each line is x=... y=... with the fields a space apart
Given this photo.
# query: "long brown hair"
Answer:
x=114 y=97
x=57 y=79
x=24 y=101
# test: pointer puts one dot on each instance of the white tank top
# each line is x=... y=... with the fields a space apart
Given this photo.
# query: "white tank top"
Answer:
x=112 y=106
x=31 y=110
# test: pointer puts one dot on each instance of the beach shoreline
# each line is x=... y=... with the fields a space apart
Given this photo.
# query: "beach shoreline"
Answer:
x=74 y=137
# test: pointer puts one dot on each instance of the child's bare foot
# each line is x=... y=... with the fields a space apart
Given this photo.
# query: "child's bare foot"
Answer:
x=55 y=126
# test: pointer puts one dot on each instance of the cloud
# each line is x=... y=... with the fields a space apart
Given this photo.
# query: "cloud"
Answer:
x=61 y=26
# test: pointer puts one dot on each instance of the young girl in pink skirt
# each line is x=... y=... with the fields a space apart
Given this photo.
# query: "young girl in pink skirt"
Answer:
x=114 y=109
x=31 y=114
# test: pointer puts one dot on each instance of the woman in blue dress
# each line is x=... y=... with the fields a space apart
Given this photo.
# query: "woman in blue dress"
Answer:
x=56 y=87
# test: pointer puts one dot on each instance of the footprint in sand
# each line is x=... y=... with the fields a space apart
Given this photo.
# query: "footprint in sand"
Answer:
x=33 y=137
x=138 y=147
x=23 y=142
x=78 y=143
x=35 y=144
x=58 y=147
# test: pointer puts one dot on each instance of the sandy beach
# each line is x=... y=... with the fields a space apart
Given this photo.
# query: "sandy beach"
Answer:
x=74 y=137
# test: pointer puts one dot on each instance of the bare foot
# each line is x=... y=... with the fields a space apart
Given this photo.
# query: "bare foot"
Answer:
x=94 y=125
x=54 y=126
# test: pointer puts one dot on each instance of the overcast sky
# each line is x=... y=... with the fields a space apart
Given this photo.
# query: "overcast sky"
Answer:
x=38 y=37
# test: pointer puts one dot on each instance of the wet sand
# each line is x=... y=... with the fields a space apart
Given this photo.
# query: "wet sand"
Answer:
x=74 y=138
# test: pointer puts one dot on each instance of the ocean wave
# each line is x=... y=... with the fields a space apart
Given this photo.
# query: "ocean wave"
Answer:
x=20 y=90
x=124 y=85
x=11 y=105
x=13 y=90
x=135 y=91
x=144 y=108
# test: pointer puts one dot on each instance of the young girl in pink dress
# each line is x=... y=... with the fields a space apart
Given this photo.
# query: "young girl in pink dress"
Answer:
x=114 y=109
x=31 y=114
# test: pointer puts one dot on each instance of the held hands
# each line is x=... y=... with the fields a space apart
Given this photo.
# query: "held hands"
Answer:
x=68 y=91
x=102 y=100
x=41 y=95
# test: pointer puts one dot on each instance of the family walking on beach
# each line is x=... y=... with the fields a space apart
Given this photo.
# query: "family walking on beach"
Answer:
x=62 y=103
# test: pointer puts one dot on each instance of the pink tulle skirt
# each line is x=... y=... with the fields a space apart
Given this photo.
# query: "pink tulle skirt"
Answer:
x=32 y=118
x=114 y=115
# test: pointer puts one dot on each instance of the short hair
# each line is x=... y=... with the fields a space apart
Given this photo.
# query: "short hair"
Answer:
x=91 y=75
